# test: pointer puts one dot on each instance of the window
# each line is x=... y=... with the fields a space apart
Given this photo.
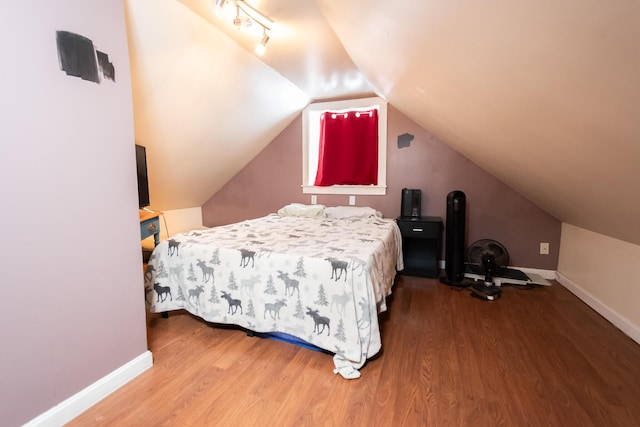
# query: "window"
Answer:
x=348 y=152
x=311 y=149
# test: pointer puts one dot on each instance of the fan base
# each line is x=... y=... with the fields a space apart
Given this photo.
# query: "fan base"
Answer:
x=487 y=293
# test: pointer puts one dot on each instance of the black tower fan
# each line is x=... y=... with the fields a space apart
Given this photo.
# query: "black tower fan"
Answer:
x=455 y=236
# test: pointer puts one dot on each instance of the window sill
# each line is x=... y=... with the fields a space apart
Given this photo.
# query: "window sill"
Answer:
x=346 y=189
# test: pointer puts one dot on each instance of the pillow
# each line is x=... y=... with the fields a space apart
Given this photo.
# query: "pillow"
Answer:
x=298 y=209
x=342 y=212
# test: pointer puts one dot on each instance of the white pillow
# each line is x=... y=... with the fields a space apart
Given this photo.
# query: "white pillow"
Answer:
x=299 y=209
x=342 y=212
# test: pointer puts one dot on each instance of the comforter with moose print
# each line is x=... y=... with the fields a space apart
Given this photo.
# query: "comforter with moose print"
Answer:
x=321 y=280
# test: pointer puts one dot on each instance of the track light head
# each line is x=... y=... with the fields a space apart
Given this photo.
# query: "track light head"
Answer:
x=262 y=46
x=249 y=18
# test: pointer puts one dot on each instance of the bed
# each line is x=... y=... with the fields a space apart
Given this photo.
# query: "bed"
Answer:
x=315 y=273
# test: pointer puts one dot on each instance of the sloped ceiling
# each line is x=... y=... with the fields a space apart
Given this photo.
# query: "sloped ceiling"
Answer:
x=203 y=106
x=543 y=95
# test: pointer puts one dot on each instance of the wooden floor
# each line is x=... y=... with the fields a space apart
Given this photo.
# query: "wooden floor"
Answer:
x=535 y=357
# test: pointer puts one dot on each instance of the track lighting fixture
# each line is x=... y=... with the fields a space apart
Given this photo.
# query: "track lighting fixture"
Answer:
x=237 y=21
x=245 y=18
x=261 y=47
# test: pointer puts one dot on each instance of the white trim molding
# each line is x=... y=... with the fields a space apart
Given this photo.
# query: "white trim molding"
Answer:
x=545 y=274
x=618 y=320
x=70 y=408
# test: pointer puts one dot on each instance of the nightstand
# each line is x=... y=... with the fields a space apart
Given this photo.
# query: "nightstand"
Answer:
x=150 y=226
x=421 y=242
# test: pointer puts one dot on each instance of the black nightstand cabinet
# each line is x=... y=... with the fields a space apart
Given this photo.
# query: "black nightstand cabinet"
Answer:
x=421 y=239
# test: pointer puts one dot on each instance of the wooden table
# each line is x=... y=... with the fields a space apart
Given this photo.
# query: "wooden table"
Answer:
x=150 y=225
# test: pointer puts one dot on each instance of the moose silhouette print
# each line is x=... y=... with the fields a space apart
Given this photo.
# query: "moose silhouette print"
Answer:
x=234 y=304
x=163 y=292
x=319 y=321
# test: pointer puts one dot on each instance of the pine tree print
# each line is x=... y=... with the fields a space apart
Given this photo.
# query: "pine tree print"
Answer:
x=180 y=296
x=232 y=282
x=271 y=288
x=340 y=332
x=162 y=271
x=192 y=274
x=300 y=269
x=215 y=258
x=299 y=311
x=250 y=311
x=213 y=296
x=322 y=297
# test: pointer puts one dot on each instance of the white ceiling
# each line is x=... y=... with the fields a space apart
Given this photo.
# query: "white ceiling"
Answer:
x=544 y=95
x=303 y=47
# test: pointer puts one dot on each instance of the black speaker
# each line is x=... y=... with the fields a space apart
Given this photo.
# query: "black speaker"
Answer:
x=455 y=235
x=411 y=203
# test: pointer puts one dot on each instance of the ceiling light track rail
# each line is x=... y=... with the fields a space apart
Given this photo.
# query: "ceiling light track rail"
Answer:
x=246 y=15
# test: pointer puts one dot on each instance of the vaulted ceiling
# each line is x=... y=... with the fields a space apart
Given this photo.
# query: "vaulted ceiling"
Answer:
x=543 y=95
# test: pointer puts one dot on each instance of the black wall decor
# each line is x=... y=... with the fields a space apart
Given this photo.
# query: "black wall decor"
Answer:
x=404 y=140
x=78 y=58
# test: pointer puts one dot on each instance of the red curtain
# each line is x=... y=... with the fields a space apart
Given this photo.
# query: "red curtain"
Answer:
x=348 y=148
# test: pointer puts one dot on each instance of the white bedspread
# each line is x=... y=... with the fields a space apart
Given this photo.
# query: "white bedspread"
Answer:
x=321 y=280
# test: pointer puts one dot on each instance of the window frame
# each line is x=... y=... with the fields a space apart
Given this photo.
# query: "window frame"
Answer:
x=310 y=127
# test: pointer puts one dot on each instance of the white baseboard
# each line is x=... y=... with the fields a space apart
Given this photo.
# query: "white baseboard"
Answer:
x=546 y=274
x=618 y=320
x=84 y=399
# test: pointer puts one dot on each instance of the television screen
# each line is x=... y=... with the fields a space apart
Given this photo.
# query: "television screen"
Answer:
x=143 y=182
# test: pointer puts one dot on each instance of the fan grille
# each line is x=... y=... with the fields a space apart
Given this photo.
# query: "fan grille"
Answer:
x=485 y=246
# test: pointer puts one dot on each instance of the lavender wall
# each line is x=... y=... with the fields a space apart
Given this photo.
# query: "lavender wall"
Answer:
x=494 y=211
x=72 y=294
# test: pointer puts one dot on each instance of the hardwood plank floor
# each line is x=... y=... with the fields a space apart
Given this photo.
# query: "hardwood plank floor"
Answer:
x=535 y=357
